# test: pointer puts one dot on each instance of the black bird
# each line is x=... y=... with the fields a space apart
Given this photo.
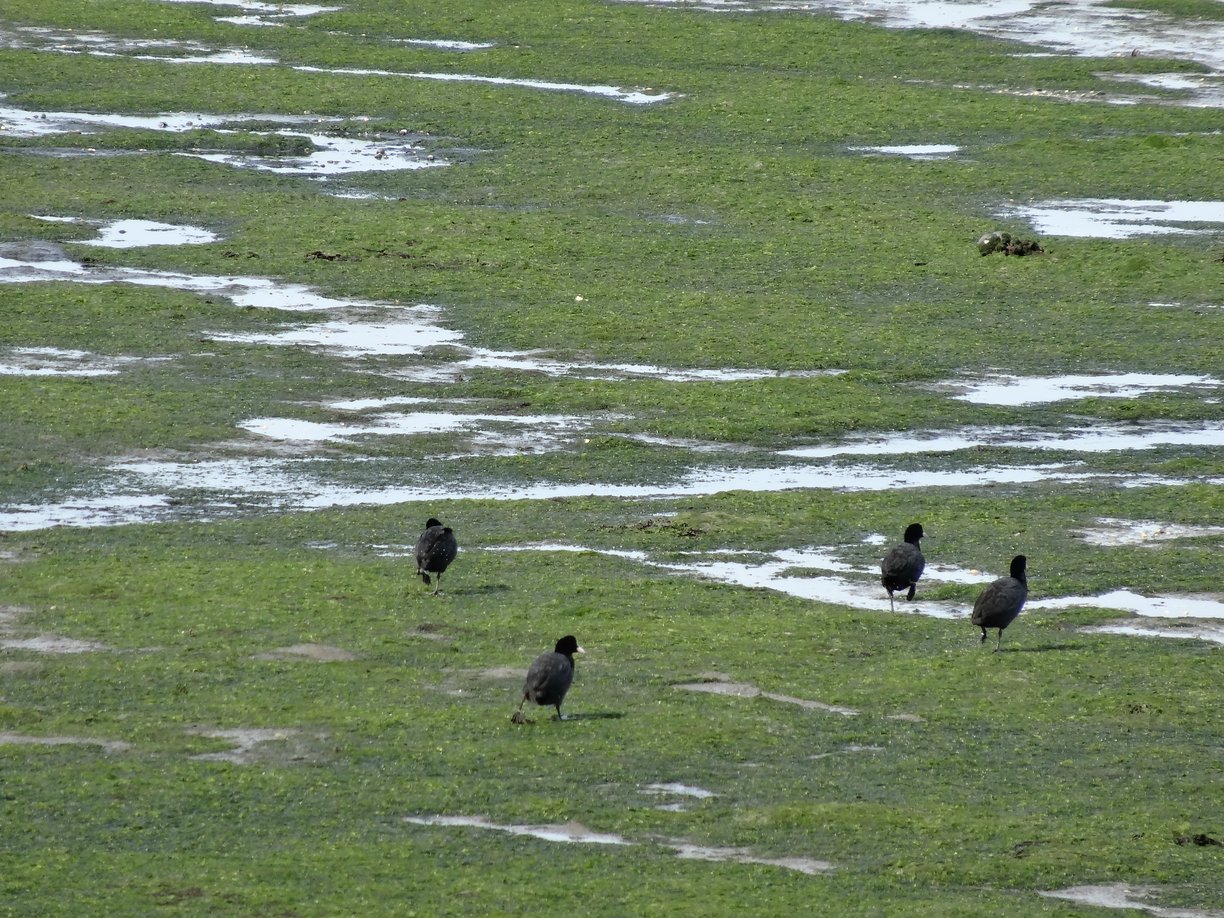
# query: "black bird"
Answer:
x=435 y=550
x=550 y=677
x=903 y=564
x=1001 y=601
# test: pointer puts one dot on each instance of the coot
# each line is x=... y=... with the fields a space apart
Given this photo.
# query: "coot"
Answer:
x=1001 y=601
x=550 y=677
x=435 y=550
x=903 y=564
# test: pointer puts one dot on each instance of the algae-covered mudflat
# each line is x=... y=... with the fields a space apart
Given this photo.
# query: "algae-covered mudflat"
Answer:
x=676 y=313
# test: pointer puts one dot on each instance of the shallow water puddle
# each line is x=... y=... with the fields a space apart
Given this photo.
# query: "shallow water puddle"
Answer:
x=84 y=512
x=571 y=832
x=1095 y=439
x=445 y=44
x=330 y=155
x=913 y=151
x=21 y=739
x=1112 y=218
x=263 y=14
x=53 y=361
x=1091 y=28
x=616 y=93
x=1123 y=895
x=679 y=790
x=534 y=362
x=19 y=122
x=1171 y=606
x=1037 y=390
x=402 y=331
x=128 y=234
x=576 y=833
x=786 y=571
x=246 y=743
x=144 y=491
x=1213 y=634
x=504 y=434
x=194 y=55
x=254 y=292
x=405 y=331
x=743 y=856
x=52 y=643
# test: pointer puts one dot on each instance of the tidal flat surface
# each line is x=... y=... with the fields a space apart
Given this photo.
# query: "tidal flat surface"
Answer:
x=675 y=313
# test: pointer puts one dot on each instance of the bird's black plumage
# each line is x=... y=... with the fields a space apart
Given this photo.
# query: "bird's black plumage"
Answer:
x=435 y=550
x=550 y=676
x=1001 y=601
x=903 y=564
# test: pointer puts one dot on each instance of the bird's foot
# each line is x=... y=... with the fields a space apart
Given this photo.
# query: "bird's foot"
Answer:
x=519 y=718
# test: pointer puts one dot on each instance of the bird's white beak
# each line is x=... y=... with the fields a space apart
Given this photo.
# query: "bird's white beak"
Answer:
x=579 y=650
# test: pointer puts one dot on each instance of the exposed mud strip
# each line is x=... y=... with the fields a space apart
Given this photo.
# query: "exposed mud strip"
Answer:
x=1123 y=895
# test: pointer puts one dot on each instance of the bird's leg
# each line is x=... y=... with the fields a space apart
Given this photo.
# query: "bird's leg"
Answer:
x=517 y=717
x=1000 y=643
x=559 y=716
x=910 y=595
x=983 y=640
x=437 y=584
x=891 y=606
